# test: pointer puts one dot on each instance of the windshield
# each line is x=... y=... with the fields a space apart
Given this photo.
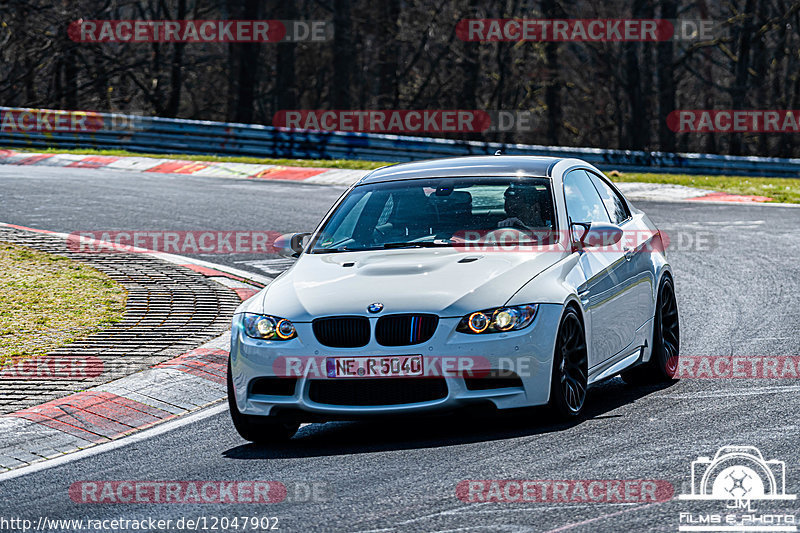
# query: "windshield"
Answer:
x=440 y=212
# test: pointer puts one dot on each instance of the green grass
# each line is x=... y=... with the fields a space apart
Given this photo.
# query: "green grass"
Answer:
x=779 y=189
x=785 y=190
x=325 y=163
x=47 y=301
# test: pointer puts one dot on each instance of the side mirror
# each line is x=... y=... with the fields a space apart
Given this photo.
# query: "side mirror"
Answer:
x=596 y=234
x=290 y=245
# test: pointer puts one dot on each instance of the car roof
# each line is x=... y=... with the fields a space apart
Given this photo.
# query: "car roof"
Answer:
x=484 y=165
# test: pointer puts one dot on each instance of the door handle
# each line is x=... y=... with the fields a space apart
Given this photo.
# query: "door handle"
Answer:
x=629 y=253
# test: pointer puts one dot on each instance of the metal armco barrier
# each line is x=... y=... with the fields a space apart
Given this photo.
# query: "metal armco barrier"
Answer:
x=40 y=128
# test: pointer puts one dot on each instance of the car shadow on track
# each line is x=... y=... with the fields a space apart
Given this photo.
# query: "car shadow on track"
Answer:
x=366 y=436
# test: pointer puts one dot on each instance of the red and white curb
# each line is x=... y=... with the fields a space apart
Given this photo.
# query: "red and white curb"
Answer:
x=324 y=176
x=665 y=192
x=101 y=414
x=658 y=192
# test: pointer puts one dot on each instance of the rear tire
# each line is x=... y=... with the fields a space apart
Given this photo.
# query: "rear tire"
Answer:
x=663 y=363
x=258 y=429
x=568 y=383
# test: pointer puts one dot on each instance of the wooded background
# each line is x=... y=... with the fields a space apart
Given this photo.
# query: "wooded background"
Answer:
x=404 y=54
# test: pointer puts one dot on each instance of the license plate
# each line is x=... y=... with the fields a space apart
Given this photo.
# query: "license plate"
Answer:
x=374 y=367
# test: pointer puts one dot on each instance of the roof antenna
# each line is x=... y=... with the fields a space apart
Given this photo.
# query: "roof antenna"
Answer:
x=499 y=152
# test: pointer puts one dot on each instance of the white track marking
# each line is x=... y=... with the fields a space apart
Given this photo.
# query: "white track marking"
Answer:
x=272 y=267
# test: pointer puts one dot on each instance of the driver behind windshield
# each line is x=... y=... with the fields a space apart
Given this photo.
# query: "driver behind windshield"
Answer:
x=523 y=209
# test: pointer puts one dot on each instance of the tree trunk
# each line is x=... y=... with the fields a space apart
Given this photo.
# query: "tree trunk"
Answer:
x=666 y=80
x=552 y=91
x=176 y=71
x=343 y=55
x=637 y=135
x=285 y=86
x=387 y=86
x=247 y=63
x=71 y=80
x=739 y=87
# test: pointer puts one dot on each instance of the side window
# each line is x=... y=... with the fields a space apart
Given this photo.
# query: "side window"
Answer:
x=615 y=205
x=583 y=202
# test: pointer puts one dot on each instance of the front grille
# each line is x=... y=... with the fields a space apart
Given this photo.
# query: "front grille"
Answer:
x=342 y=331
x=405 y=330
x=494 y=379
x=377 y=391
x=273 y=386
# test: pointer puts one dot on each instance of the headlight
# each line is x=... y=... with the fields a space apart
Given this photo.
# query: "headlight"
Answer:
x=268 y=327
x=498 y=319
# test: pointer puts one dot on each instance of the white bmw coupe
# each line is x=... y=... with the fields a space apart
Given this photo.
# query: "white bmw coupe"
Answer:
x=506 y=281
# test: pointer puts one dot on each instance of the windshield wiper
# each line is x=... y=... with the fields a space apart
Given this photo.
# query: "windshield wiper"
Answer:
x=418 y=244
x=335 y=250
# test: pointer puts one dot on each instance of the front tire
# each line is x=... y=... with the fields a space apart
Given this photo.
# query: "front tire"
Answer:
x=663 y=363
x=568 y=383
x=258 y=429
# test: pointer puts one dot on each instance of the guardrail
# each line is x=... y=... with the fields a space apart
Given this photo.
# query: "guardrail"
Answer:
x=39 y=128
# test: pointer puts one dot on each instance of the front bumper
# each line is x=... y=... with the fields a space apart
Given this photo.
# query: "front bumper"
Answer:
x=527 y=352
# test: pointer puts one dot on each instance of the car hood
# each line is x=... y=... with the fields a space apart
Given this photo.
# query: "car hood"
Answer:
x=443 y=281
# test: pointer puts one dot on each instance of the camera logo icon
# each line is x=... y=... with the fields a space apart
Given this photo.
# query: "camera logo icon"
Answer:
x=738 y=473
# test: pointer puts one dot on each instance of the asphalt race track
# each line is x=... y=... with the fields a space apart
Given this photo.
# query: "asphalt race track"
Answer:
x=737 y=273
